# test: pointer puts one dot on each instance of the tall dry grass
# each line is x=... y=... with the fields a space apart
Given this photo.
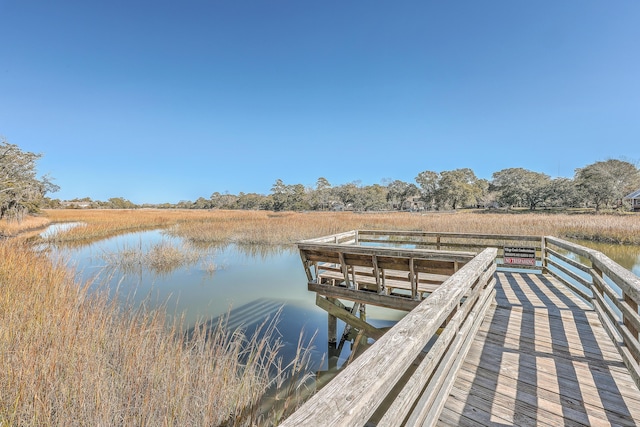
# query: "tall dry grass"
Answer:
x=161 y=258
x=104 y=223
x=29 y=223
x=269 y=228
x=287 y=228
x=70 y=357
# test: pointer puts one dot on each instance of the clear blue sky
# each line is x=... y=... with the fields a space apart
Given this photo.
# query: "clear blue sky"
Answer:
x=162 y=101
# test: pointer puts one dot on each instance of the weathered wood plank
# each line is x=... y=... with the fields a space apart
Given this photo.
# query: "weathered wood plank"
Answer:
x=328 y=248
x=556 y=360
x=434 y=397
x=573 y=263
x=370 y=378
x=347 y=317
x=388 y=301
x=542 y=358
x=581 y=280
x=398 y=411
x=401 y=233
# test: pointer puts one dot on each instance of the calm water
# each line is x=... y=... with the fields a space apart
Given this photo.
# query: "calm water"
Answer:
x=249 y=285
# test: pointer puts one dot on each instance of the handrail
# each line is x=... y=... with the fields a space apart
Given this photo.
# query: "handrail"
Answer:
x=616 y=308
x=358 y=391
x=434 y=240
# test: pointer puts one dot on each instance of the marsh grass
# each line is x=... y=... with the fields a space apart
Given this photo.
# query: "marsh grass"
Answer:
x=161 y=258
x=74 y=357
x=263 y=228
x=27 y=225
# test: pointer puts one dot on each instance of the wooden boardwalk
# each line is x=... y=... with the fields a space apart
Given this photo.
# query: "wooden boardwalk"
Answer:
x=488 y=340
x=541 y=357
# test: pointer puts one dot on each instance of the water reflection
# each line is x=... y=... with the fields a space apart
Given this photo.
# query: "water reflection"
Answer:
x=245 y=282
x=625 y=255
x=54 y=229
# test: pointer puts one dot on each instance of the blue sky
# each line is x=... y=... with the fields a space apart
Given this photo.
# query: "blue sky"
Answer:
x=162 y=101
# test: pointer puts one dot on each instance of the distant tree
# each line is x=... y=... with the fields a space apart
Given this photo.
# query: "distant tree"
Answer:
x=606 y=183
x=297 y=198
x=563 y=193
x=521 y=187
x=428 y=182
x=121 y=203
x=348 y=193
x=251 y=201
x=322 y=194
x=48 y=203
x=399 y=191
x=484 y=197
x=202 y=203
x=223 y=201
x=279 y=195
x=371 y=198
x=457 y=188
x=21 y=191
x=289 y=197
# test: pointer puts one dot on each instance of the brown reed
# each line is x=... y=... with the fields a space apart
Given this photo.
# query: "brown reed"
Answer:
x=29 y=223
x=73 y=357
x=268 y=228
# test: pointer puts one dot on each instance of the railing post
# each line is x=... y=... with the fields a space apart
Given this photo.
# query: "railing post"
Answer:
x=627 y=323
x=543 y=254
x=595 y=285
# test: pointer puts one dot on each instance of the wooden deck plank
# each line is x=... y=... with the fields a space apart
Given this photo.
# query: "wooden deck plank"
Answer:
x=541 y=357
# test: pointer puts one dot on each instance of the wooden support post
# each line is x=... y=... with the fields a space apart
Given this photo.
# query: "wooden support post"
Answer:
x=627 y=323
x=332 y=325
x=363 y=317
x=385 y=291
x=307 y=270
x=345 y=270
x=438 y=243
x=332 y=344
x=347 y=326
x=348 y=316
x=412 y=280
x=376 y=273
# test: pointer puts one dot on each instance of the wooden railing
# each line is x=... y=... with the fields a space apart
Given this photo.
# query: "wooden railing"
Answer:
x=612 y=290
x=365 y=386
x=395 y=379
x=377 y=269
x=450 y=241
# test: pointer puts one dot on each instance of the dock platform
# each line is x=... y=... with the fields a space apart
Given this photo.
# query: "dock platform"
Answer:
x=541 y=358
x=500 y=331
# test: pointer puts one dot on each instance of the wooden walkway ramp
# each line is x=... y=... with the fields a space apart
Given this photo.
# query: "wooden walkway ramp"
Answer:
x=500 y=330
x=541 y=357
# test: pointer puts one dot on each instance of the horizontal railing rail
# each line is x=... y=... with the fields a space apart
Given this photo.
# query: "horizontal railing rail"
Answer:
x=365 y=386
x=438 y=241
x=612 y=290
x=371 y=383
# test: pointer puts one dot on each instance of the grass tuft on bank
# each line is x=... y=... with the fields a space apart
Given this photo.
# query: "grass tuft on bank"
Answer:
x=73 y=357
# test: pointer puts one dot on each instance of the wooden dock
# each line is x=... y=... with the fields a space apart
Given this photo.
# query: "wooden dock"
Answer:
x=549 y=340
x=541 y=358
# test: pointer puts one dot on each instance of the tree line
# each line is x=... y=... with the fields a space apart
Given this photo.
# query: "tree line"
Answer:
x=601 y=185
